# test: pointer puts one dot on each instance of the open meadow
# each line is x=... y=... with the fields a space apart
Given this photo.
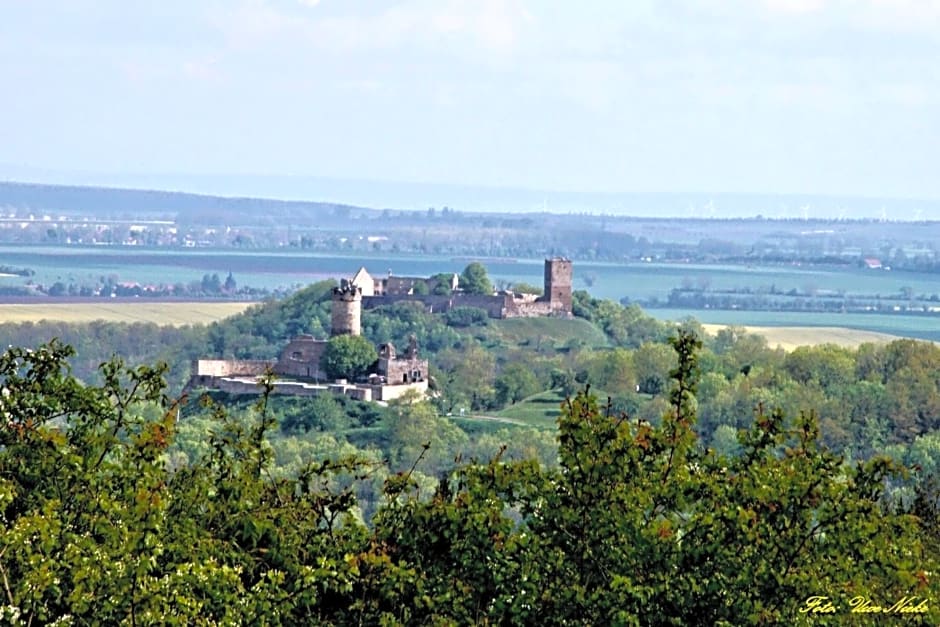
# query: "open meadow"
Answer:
x=162 y=313
x=789 y=338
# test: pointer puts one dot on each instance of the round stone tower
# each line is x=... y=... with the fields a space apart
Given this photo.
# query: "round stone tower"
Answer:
x=346 y=310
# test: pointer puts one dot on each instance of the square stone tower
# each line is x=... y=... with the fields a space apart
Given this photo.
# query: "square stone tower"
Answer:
x=558 y=280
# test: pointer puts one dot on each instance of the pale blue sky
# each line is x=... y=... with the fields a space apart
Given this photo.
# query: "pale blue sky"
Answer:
x=766 y=96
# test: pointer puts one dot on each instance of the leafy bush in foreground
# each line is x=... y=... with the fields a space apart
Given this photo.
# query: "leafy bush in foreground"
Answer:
x=637 y=525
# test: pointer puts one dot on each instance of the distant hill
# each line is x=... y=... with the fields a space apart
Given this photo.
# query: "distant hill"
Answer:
x=415 y=196
x=107 y=202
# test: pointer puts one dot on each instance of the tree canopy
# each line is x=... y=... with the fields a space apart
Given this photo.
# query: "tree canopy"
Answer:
x=347 y=357
x=638 y=523
x=475 y=280
x=442 y=283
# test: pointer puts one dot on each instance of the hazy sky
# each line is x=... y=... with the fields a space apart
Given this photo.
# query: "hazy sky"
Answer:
x=768 y=96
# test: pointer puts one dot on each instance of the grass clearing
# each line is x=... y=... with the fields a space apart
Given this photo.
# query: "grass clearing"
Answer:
x=541 y=410
x=478 y=425
x=162 y=313
x=789 y=338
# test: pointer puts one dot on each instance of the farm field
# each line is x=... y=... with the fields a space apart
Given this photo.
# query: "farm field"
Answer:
x=897 y=325
x=276 y=268
x=161 y=313
x=789 y=338
x=635 y=281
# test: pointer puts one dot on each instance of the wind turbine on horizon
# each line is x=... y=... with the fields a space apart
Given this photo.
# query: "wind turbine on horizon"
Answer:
x=710 y=208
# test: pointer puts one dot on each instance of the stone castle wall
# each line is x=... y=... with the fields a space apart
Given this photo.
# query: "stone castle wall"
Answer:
x=359 y=392
x=555 y=302
x=433 y=303
x=231 y=367
x=400 y=371
x=497 y=306
x=301 y=358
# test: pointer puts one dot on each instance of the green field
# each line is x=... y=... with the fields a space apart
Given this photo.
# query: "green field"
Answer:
x=283 y=268
x=634 y=280
x=541 y=410
x=161 y=313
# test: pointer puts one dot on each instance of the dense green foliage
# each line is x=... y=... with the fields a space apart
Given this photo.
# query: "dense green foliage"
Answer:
x=475 y=280
x=442 y=284
x=866 y=399
x=636 y=524
x=97 y=342
x=347 y=357
x=466 y=316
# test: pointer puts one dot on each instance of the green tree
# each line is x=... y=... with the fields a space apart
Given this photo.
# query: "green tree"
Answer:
x=640 y=525
x=321 y=413
x=652 y=363
x=525 y=288
x=725 y=441
x=442 y=284
x=563 y=380
x=347 y=357
x=466 y=376
x=466 y=317
x=611 y=371
x=474 y=279
x=97 y=530
x=418 y=436
x=636 y=523
x=827 y=364
x=514 y=383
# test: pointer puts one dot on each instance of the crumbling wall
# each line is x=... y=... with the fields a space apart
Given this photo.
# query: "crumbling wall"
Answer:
x=231 y=367
x=494 y=305
x=531 y=310
x=391 y=392
x=242 y=385
x=301 y=358
x=399 y=371
x=234 y=385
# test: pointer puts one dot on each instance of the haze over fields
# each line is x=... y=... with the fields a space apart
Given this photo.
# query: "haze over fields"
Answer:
x=785 y=108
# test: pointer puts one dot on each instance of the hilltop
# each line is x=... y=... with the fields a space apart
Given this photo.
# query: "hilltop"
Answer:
x=182 y=207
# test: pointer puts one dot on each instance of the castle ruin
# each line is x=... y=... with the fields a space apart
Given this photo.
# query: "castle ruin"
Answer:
x=555 y=301
x=297 y=368
x=298 y=371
